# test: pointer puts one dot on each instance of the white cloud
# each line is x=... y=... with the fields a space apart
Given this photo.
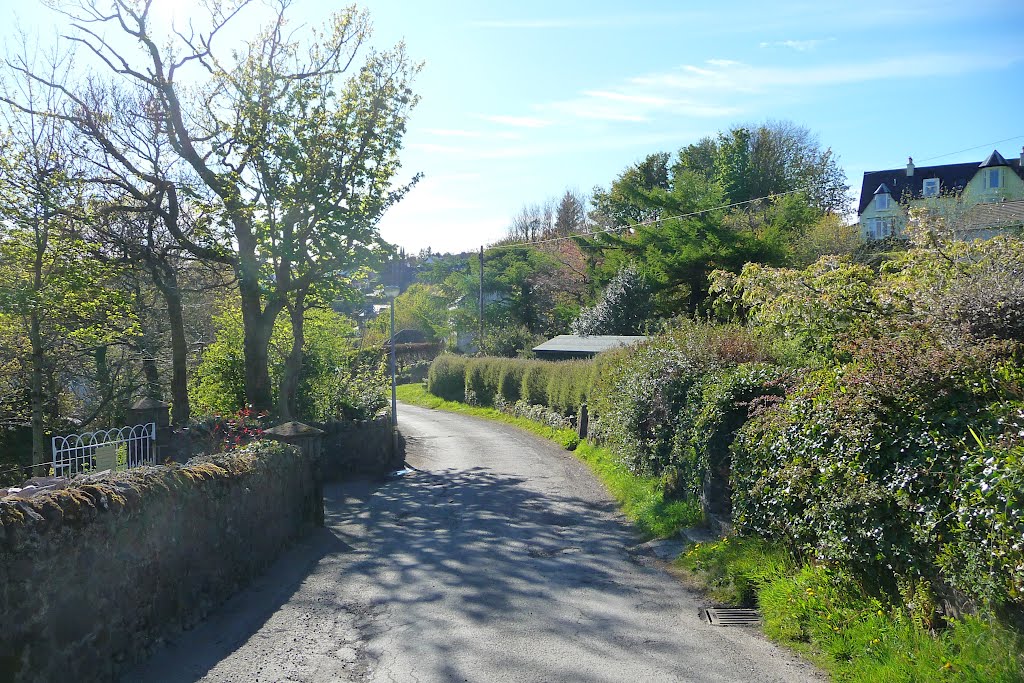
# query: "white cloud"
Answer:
x=728 y=76
x=798 y=45
x=518 y=121
x=473 y=134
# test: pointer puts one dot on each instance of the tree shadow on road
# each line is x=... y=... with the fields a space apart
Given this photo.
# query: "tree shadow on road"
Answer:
x=500 y=555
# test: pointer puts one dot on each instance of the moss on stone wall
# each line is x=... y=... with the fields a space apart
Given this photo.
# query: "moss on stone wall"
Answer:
x=94 y=575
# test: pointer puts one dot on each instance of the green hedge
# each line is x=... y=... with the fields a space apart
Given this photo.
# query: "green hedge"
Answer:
x=447 y=377
x=562 y=386
x=904 y=465
x=646 y=398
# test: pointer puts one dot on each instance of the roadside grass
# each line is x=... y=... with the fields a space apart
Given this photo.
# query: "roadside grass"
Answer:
x=822 y=614
x=852 y=635
x=640 y=498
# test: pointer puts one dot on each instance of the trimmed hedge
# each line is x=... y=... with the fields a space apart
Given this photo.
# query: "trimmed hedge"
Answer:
x=447 y=377
x=562 y=386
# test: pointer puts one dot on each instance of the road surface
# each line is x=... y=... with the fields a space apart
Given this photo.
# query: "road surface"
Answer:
x=499 y=558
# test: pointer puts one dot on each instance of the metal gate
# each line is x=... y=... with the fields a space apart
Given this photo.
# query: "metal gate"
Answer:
x=110 y=449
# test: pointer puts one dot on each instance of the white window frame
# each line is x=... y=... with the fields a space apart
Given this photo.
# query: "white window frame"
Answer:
x=882 y=201
x=930 y=187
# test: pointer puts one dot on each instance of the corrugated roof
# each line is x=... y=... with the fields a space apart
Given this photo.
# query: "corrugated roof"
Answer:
x=952 y=178
x=596 y=343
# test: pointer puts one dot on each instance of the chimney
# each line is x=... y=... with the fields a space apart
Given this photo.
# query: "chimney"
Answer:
x=1022 y=157
x=910 y=166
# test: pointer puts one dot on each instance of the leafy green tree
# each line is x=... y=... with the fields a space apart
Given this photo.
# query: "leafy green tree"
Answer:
x=681 y=249
x=337 y=381
x=295 y=156
x=771 y=158
x=623 y=307
x=422 y=307
x=56 y=306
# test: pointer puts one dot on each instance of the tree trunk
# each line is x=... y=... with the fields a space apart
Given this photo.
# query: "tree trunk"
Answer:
x=287 y=403
x=167 y=283
x=152 y=375
x=257 y=328
x=37 y=395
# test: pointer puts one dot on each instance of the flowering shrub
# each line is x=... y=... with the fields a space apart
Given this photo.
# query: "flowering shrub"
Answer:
x=866 y=466
x=228 y=432
x=646 y=397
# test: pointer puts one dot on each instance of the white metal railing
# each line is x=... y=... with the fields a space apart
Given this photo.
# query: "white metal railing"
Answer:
x=110 y=449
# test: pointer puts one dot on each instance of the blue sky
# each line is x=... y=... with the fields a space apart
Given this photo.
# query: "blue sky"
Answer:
x=523 y=100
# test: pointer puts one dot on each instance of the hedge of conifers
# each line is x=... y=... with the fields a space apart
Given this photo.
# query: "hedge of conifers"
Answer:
x=563 y=386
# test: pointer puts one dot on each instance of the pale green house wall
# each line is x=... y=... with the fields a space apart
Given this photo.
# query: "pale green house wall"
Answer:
x=895 y=213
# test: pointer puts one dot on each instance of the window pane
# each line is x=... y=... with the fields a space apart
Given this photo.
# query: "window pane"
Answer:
x=993 y=178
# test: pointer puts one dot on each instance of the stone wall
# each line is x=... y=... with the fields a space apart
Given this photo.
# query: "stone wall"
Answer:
x=367 y=448
x=93 y=576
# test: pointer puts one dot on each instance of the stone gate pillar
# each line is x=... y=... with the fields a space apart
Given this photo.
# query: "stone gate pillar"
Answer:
x=147 y=410
x=310 y=441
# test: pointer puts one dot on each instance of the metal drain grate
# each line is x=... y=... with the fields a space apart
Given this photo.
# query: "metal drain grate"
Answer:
x=733 y=616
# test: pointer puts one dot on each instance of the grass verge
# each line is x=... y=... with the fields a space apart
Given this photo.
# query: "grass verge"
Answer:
x=852 y=635
x=641 y=498
x=817 y=612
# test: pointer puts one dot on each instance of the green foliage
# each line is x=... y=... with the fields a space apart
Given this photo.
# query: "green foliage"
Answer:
x=337 y=380
x=562 y=386
x=421 y=307
x=862 y=466
x=510 y=341
x=852 y=634
x=784 y=181
x=447 y=377
x=642 y=395
x=623 y=307
x=721 y=403
x=814 y=307
x=984 y=553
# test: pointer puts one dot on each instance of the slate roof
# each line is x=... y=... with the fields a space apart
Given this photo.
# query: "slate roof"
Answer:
x=596 y=343
x=952 y=177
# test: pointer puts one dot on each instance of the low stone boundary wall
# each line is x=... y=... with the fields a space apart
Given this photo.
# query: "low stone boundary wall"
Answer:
x=93 y=576
x=367 y=447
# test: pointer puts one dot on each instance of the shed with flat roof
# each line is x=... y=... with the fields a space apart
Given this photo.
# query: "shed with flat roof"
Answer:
x=568 y=346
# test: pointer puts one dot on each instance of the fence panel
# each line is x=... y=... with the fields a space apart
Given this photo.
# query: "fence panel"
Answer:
x=120 y=448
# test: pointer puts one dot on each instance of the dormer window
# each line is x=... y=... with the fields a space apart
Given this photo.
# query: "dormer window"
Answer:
x=931 y=187
x=881 y=201
x=993 y=178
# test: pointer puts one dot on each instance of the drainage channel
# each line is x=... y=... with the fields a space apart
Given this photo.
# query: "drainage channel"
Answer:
x=733 y=616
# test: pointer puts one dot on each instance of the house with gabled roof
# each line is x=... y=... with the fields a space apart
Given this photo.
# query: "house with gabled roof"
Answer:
x=988 y=196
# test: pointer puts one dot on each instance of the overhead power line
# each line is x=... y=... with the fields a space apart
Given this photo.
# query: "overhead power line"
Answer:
x=982 y=146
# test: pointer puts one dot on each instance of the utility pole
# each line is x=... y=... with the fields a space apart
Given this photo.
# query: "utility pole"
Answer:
x=394 y=390
x=480 y=340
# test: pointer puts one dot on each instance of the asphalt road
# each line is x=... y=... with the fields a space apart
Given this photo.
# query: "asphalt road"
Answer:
x=500 y=558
